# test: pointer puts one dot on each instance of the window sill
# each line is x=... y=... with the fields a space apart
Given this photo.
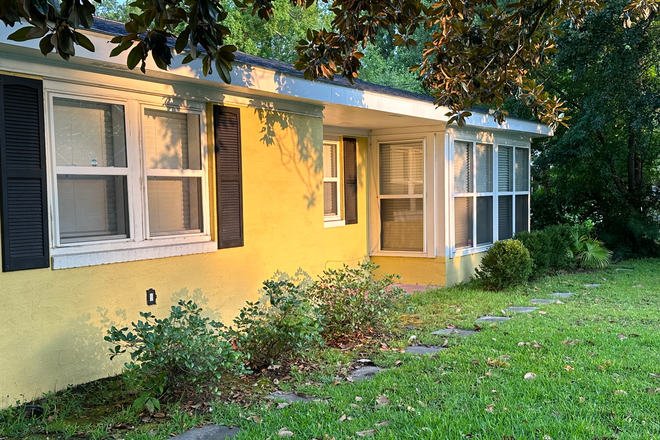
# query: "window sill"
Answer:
x=69 y=258
x=407 y=254
x=470 y=251
x=334 y=223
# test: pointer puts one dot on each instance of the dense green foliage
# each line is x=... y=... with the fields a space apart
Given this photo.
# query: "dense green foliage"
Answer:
x=605 y=168
x=185 y=347
x=280 y=327
x=506 y=264
x=549 y=248
x=353 y=301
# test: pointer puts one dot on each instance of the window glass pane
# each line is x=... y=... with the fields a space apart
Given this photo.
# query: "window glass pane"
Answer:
x=402 y=224
x=484 y=220
x=463 y=221
x=504 y=164
x=174 y=205
x=462 y=167
x=89 y=133
x=522 y=213
x=401 y=169
x=330 y=198
x=329 y=160
x=92 y=207
x=484 y=168
x=505 y=217
x=522 y=169
x=172 y=140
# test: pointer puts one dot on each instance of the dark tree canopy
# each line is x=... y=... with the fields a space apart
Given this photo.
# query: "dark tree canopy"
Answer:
x=477 y=53
x=606 y=167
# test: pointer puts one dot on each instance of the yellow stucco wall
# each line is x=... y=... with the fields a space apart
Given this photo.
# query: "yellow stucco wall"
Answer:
x=461 y=269
x=53 y=321
x=422 y=271
x=348 y=244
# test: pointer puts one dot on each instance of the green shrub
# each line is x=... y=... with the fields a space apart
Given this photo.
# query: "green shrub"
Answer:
x=352 y=300
x=549 y=249
x=506 y=264
x=280 y=328
x=183 y=348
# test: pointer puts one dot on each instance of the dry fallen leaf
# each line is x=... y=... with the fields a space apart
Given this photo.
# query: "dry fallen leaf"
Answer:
x=490 y=408
x=620 y=392
x=383 y=423
x=530 y=376
x=367 y=433
x=654 y=375
x=342 y=418
x=568 y=368
x=397 y=363
x=285 y=433
x=621 y=336
x=582 y=400
x=382 y=400
x=358 y=398
x=542 y=312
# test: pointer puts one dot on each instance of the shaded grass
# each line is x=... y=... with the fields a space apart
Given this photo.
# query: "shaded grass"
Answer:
x=592 y=356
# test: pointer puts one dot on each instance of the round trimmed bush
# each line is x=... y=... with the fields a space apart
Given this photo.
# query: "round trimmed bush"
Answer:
x=506 y=264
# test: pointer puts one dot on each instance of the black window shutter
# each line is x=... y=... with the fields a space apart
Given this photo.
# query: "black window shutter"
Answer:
x=350 y=181
x=23 y=175
x=229 y=176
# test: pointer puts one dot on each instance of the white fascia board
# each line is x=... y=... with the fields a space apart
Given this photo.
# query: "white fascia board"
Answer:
x=265 y=80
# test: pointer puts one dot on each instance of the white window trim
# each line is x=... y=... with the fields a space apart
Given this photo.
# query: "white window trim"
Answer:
x=378 y=251
x=333 y=221
x=496 y=142
x=138 y=246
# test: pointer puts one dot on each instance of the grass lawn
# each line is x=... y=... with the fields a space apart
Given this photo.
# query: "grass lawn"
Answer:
x=596 y=361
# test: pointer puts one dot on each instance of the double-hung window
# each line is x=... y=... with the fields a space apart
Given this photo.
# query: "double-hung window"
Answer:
x=401 y=196
x=491 y=193
x=90 y=156
x=331 y=186
x=129 y=176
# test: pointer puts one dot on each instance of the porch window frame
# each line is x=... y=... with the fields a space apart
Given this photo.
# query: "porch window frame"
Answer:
x=138 y=245
x=385 y=252
x=496 y=143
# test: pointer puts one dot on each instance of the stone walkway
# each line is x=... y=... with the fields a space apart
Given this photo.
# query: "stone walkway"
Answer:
x=367 y=370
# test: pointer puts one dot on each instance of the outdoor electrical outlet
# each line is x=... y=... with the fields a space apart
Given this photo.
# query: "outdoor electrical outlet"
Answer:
x=151 y=297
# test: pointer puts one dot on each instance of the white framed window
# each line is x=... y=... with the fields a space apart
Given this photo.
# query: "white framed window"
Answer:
x=490 y=193
x=331 y=182
x=127 y=177
x=401 y=196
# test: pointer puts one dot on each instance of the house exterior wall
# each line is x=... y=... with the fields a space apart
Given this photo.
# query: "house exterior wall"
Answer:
x=54 y=321
x=422 y=271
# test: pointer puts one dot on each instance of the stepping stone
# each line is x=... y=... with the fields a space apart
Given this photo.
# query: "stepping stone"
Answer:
x=454 y=331
x=420 y=349
x=592 y=285
x=521 y=309
x=493 y=319
x=365 y=373
x=563 y=294
x=208 y=432
x=289 y=396
x=543 y=301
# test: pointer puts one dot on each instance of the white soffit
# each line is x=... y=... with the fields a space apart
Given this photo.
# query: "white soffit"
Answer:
x=396 y=111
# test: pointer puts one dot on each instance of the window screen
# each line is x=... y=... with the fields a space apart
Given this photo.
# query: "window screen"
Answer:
x=462 y=167
x=522 y=212
x=172 y=140
x=401 y=217
x=463 y=221
x=484 y=168
x=484 y=220
x=522 y=169
x=505 y=217
x=330 y=180
x=504 y=166
x=174 y=205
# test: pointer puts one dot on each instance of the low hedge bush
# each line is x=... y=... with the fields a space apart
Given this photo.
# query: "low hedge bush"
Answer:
x=506 y=264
